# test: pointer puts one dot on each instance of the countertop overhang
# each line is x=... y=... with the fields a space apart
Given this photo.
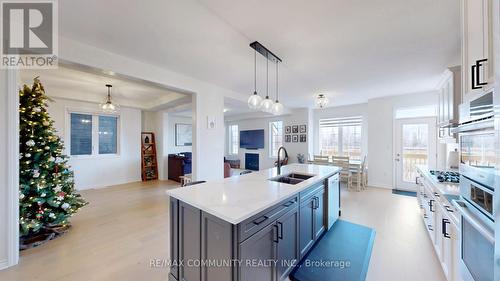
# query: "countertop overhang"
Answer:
x=237 y=198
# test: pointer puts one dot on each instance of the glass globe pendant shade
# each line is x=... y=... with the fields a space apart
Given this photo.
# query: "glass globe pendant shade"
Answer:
x=321 y=101
x=277 y=108
x=254 y=101
x=266 y=105
x=108 y=106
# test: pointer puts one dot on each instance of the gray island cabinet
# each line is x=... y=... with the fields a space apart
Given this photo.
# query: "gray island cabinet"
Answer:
x=250 y=228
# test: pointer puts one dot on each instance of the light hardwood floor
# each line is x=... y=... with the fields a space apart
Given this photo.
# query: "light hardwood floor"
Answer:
x=125 y=227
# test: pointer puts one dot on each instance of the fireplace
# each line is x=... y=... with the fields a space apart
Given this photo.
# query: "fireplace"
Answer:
x=252 y=161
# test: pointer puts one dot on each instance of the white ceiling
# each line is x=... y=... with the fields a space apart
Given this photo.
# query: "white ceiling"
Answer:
x=351 y=50
x=78 y=85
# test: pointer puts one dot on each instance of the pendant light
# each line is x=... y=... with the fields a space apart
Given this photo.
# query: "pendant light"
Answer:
x=321 y=101
x=267 y=104
x=254 y=100
x=108 y=106
x=277 y=106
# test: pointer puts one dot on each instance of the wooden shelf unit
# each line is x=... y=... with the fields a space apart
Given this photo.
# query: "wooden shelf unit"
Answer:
x=149 y=160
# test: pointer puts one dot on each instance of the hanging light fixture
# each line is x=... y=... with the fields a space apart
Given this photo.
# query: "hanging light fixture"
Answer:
x=254 y=100
x=267 y=104
x=321 y=101
x=277 y=106
x=108 y=106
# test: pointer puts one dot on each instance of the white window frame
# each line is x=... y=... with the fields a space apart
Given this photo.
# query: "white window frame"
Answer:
x=95 y=134
x=340 y=139
x=274 y=154
x=233 y=139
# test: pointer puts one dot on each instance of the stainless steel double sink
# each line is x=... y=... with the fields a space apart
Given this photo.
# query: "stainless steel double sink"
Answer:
x=291 y=178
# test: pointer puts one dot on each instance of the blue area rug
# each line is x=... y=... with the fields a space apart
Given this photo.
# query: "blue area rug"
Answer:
x=404 y=192
x=342 y=254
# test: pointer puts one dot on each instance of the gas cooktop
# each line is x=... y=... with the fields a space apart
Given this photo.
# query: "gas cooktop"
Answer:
x=446 y=176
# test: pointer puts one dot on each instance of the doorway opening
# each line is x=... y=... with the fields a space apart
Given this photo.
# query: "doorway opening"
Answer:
x=415 y=144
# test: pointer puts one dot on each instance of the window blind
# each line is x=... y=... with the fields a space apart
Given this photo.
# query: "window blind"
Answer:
x=341 y=122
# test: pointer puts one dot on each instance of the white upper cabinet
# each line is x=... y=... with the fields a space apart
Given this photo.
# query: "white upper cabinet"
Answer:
x=476 y=46
x=450 y=96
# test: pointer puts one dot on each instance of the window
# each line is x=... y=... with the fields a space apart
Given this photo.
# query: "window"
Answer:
x=81 y=134
x=107 y=134
x=90 y=131
x=275 y=137
x=341 y=136
x=233 y=139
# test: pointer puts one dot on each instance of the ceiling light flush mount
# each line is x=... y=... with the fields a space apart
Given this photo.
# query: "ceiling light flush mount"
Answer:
x=321 y=101
x=267 y=104
x=108 y=106
x=254 y=100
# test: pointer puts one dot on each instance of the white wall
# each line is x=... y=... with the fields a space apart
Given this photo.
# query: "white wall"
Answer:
x=3 y=171
x=9 y=166
x=208 y=143
x=297 y=117
x=380 y=114
x=172 y=120
x=101 y=171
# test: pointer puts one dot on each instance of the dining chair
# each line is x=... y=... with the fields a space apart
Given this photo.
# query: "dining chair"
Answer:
x=359 y=175
x=345 y=172
x=321 y=160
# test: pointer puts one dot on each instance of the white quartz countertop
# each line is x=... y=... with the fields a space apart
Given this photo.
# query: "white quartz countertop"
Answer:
x=237 y=198
x=442 y=187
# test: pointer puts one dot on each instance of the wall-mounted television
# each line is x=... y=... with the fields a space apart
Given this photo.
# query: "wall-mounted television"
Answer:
x=252 y=139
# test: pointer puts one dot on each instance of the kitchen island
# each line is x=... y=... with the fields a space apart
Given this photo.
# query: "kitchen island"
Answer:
x=251 y=227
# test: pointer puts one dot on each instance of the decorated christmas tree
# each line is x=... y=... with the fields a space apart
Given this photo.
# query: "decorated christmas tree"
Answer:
x=47 y=198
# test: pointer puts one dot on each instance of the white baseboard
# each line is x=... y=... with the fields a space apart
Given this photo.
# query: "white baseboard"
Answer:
x=4 y=264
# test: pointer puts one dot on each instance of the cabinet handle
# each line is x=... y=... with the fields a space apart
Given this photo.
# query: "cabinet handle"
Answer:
x=436 y=194
x=280 y=229
x=416 y=180
x=430 y=227
x=276 y=239
x=289 y=203
x=260 y=220
x=316 y=203
x=450 y=210
x=443 y=226
x=431 y=205
x=476 y=83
